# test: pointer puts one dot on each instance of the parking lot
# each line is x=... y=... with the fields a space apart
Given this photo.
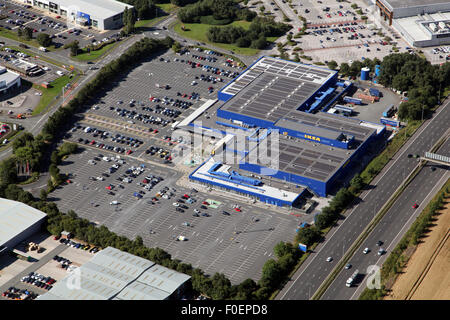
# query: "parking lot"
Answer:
x=22 y=280
x=18 y=15
x=337 y=32
x=136 y=117
x=218 y=236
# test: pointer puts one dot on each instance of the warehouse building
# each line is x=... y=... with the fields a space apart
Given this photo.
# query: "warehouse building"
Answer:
x=100 y=14
x=18 y=222
x=285 y=100
x=116 y=275
x=8 y=80
x=422 y=23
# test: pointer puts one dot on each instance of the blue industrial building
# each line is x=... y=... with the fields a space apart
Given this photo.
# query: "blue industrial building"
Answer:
x=280 y=97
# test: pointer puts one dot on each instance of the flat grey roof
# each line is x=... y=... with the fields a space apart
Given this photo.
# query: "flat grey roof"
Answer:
x=115 y=274
x=16 y=217
x=96 y=8
x=304 y=158
x=309 y=128
x=412 y=3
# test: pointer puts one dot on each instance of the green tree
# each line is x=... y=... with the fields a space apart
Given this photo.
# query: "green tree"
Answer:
x=28 y=33
x=43 y=195
x=44 y=39
x=176 y=47
x=332 y=65
x=271 y=274
x=8 y=171
x=74 y=48
x=308 y=235
x=357 y=183
x=344 y=69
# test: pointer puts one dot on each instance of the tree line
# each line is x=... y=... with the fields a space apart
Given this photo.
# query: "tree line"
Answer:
x=217 y=286
x=224 y=11
x=422 y=82
x=254 y=37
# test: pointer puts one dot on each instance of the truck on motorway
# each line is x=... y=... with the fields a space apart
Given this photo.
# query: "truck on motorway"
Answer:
x=350 y=280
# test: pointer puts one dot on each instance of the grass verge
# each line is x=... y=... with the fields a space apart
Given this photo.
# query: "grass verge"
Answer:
x=94 y=54
x=13 y=36
x=50 y=94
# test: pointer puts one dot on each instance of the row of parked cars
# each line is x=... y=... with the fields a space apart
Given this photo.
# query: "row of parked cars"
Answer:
x=145 y=118
x=39 y=280
x=80 y=246
x=207 y=58
x=14 y=293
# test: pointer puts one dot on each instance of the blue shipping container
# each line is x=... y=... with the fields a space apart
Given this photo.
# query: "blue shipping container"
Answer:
x=390 y=122
x=374 y=92
x=352 y=100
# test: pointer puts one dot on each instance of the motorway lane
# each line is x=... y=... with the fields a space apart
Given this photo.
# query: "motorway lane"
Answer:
x=315 y=270
x=391 y=228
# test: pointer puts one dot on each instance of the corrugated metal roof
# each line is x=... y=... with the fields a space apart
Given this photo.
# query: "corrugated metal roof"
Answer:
x=118 y=275
x=163 y=278
x=15 y=217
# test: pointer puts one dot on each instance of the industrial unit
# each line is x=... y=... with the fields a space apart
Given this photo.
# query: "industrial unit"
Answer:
x=422 y=23
x=8 y=80
x=116 y=275
x=315 y=149
x=18 y=221
x=100 y=14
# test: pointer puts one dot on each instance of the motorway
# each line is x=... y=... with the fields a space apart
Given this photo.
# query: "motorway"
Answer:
x=391 y=227
x=34 y=124
x=315 y=270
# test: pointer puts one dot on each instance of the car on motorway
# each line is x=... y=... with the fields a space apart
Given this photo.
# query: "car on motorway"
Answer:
x=348 y=266
x=366 y=250
x=379 y=243
x=415 y=205
x=381 y=251
x=329 y=259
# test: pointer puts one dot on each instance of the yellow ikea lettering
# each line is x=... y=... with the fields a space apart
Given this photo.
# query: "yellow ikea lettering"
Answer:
x=307 y=136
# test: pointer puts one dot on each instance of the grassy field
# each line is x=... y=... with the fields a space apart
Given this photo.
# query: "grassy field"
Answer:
x=94 y=55
x=167 y=7
x=148 y=22
x=49 y=94
x=13 y=36
x=198 y=31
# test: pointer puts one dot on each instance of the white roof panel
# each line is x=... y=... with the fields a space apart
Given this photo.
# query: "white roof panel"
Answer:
x=16 y=217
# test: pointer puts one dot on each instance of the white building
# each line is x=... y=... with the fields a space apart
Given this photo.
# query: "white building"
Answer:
x=8 y=80
x=117 y=275
x=100 y=14
x=18 y=221
x=422 y=23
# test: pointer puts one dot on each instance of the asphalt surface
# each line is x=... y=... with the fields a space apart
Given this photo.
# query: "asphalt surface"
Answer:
x=315 y=269
x=32 y=268
x=391 y=228
x=212 y=243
